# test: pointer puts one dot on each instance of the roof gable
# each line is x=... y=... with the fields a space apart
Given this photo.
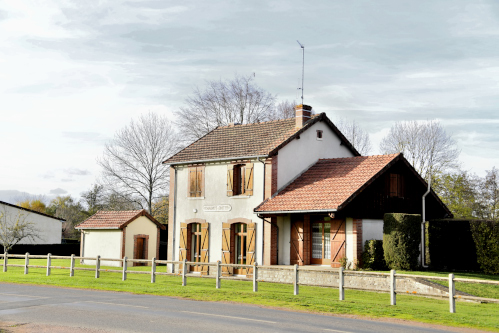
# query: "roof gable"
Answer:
x=115 y=219
x=250 y=140
x=328 y=184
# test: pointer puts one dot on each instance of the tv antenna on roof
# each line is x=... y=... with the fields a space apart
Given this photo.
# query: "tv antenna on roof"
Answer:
x=302 y=69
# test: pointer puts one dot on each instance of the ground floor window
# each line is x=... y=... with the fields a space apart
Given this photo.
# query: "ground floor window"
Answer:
x=238 y=246
x=195 y=247
x=194 y=244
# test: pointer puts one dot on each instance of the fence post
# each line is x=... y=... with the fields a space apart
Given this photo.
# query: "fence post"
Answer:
x=97 y=267
x=342 y=284
x=26 y=263
x=5 y=261
x=184 y=278
x=123 y=276
x=218 y=275
x=255 y=277
x=452 y=293
x=393 y=287
x=49 y=263
x=296 y=288
x=153 y=270
x=72 y=266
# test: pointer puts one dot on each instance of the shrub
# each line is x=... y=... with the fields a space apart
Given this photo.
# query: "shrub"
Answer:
x=373 y=257
x=401 y=240
x=451 y=245
x=486 y=237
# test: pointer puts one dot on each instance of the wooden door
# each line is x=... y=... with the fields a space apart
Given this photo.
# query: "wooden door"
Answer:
x=337 y=242
x=195 y=246
x=140 y=250
x=297 y=240
x=321 y=243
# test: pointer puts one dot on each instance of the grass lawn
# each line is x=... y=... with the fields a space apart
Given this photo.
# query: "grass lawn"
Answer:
x=480 y=290
x=314 y=299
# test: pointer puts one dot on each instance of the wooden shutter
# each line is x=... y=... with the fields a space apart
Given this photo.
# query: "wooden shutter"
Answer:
x=248 y=179
x=230 y=180
x=250 y=249
x=192 y=182
x=204 y=247
x=394 y=187
x=200 y=181
x=182 y=245
x=337 y=242
x=296 y=251
x=226 y=248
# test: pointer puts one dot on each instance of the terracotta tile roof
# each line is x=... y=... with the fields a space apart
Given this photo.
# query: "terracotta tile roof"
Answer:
x=328 y=184
x=237 y=141
x=259 y=139
x=114 y=219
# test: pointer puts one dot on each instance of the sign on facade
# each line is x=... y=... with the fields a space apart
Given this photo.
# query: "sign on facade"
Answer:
x=217 y=208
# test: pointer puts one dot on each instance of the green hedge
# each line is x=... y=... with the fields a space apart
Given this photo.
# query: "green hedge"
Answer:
x=373 y=256
x=451 y=245
x=401 y=240
x=486 y=237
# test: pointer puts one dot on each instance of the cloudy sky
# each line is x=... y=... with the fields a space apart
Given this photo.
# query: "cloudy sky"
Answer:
x=74 y=72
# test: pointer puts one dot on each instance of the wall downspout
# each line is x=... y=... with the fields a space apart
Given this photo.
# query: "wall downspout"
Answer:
x=423 y=221
x=263 y=219
x=174 y=218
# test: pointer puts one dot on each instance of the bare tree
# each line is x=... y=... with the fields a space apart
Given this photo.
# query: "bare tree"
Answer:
x=357 y=136
x=425 y=144
x=222 y=102
x=15 y=227
x=132 y=162
x=283 y=110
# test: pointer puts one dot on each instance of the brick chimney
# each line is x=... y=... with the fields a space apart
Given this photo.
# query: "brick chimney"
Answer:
x=303 y=114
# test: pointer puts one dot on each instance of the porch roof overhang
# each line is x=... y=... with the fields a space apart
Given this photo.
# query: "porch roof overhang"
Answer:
x=311 y=211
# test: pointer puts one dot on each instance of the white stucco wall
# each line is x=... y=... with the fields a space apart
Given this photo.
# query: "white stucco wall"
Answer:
x=49 y=230
x=284 y=224
x=141 y=225
x=106 y=243
x=300 y=154
x=371 y=229
x=349 y=240
x=215 y=193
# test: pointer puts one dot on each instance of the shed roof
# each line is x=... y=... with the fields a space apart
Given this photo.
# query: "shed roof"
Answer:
x=115 y=219
x=32 y=211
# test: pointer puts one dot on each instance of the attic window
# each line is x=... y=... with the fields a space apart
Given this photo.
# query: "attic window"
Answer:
x=319 y=134
x=396 y=186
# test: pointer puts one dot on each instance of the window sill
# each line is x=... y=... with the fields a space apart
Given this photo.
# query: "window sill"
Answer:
x=195 y=198
x=240 y=197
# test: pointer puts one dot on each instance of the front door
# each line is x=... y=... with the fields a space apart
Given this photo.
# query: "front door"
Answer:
x=140 y=248
x=321 y=243
x=241 y=238
x=196 y=246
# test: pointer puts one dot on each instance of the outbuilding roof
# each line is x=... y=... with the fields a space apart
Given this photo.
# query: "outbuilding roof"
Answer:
x=32 y=211
x=115 y=219
x=249 y=140
x=328 y=184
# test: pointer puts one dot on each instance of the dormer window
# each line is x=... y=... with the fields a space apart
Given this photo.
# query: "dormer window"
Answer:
x=319 y=134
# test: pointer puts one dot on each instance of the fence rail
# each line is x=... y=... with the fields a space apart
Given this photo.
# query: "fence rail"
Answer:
x=293 y=269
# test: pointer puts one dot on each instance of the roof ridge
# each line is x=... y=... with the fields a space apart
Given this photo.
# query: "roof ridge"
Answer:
x=368 y=156
x=258 y=123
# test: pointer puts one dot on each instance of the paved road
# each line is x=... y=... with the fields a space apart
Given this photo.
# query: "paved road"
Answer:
x=124 y=312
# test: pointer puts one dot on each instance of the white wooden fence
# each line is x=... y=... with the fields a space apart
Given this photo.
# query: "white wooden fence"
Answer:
x=292 y=269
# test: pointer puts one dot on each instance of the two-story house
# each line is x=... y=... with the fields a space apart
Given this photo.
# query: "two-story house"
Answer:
x=284 y=192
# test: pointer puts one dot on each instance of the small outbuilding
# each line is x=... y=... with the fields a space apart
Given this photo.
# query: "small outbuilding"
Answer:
x=134 y=234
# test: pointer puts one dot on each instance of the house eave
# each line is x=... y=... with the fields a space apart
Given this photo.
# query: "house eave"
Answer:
x=297 y=211
x=218 y=159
